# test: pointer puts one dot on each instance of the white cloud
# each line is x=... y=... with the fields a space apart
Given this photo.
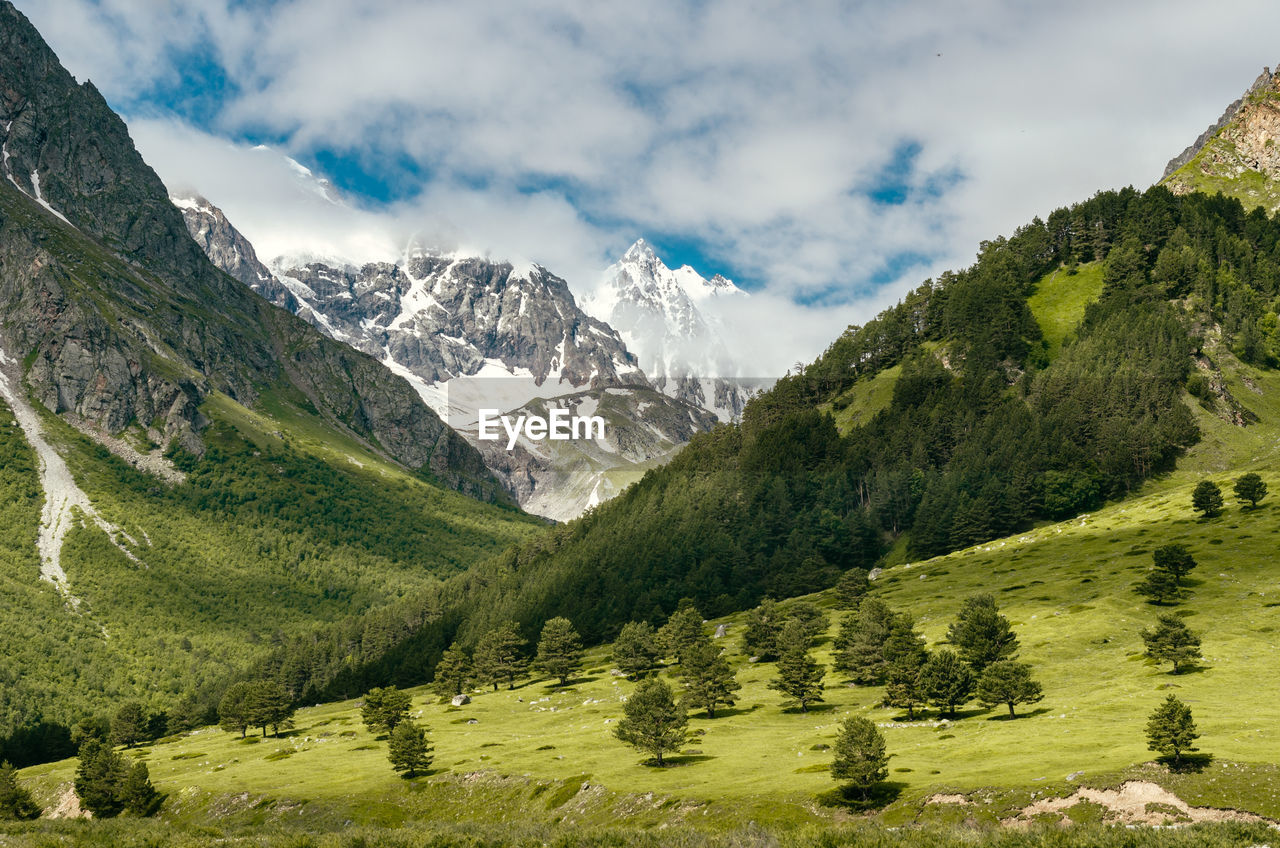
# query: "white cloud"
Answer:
x=746 y=128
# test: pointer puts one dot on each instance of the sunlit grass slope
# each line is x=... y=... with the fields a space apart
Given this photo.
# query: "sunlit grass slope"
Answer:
x=1066 y=587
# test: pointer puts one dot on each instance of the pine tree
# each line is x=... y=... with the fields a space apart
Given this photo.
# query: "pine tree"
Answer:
x=635 y=651
x=409 y=749
x=1159 y=586
x=981 y=634
x=902 y=689
x=1173 y=642
x=861 y=640
x=946 y=681
x=270 y=706
x=682 y=629
x=1171 y=730
x=760 y=630
x=851 y=588
x=799 y=677
x=234 y=710
x=559 y=649
x=1250 y=487
x=453 y=672
x=652 y=721
x=16 y=803
x=384 y=709
x=708 y=680
x=1175 y=560
x=136 y=792
x=499 y=656
x=129 y=724
x=811 y=619
x=860 y=758
x=1008 y=682
x=1207 y=498
x=100 y=774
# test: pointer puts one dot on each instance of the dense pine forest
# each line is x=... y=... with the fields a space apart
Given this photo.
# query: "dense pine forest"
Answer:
x=988 y=429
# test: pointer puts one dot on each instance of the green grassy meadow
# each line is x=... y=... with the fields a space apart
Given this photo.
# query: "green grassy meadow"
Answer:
x=1066 y=587
x=1059 y=301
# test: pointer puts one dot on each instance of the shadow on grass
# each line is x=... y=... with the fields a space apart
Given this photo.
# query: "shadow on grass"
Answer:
x=417 y=775
x=1194 y=668
x=677 y=760
x=1190 y=763
x=1003 y=714
x=859 y=801
x=554 y=684
x=730 y=712
x=813 y=708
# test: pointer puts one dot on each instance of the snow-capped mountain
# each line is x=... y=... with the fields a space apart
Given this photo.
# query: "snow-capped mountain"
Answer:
x=670 y=320
x=470 y=333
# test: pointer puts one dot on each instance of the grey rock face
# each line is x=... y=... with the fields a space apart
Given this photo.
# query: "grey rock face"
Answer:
x=444 y=316
x=231 y=251
x=118 y=316
x=1264 y=82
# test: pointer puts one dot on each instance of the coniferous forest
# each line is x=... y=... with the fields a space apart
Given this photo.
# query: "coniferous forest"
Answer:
x=985 y=433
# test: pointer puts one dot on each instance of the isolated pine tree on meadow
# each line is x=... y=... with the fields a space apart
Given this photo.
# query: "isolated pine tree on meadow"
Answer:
x=635 y=651
x=799 y=676
x=652 y=721
x=384 y=709
x=1250 y=487
x=1171 y=730
x=453 y=672
x=947 y=681
x=559 y=649
x=1174 y=559
x=1009 y=683
x=1173 y=642
x=981 y=634
x=499 y=656
x=682 y=629
x=408 y=749
x=708 y=681
x=860 y=759
x=1207 y=498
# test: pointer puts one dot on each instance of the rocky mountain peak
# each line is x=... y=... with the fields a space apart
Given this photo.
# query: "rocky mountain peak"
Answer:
x=641 y=251
x=120 y=321
x=1245 y=140
x=669 y=320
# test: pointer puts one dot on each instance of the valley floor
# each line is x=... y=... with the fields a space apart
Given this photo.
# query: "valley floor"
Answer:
x=544 y=755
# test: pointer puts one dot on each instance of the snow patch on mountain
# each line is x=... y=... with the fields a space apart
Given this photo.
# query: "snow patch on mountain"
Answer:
x=671 y=320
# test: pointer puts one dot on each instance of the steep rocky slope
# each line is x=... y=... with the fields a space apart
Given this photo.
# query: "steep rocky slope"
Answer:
x=471 y=333
x=119 y=319
x=1239 y=154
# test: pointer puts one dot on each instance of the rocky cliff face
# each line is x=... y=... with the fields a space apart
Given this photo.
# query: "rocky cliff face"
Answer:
x=445 y=316
x=117 y=315
x=468 y=332
x=231 y=251
x=1240 y=153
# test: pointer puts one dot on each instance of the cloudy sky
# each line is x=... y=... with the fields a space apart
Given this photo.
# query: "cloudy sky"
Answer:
x=826 y=155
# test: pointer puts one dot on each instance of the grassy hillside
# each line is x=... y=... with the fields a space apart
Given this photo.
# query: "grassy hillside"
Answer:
x=283 y=523
x=1059 y=300
x=1066 y=587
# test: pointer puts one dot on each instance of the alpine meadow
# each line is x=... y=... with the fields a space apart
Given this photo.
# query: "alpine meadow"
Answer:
x=997 y=567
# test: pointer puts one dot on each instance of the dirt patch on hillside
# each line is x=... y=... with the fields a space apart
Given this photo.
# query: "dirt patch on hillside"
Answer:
x=68 y=806
x=1134 y=802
